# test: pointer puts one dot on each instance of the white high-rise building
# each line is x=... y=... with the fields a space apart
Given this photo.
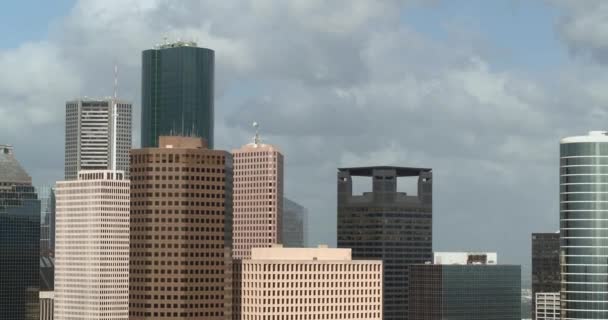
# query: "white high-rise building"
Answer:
x=258 y=197
x=547 y=306
x=89 y=134
x=92 y=247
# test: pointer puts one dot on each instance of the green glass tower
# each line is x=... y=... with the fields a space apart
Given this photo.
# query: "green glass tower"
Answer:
x=177 y=92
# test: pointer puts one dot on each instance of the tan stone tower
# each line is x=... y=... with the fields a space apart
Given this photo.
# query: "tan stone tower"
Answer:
x=258 y=197
x=181 y=217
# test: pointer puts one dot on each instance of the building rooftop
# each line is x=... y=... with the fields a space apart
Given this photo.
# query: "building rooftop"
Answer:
x=463 y=258
x=593 y=136
x=322 y=252
x=400 y=171
x=176 y=44
x=10 y=169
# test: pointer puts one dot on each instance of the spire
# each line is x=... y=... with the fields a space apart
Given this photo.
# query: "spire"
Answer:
x=256 y=138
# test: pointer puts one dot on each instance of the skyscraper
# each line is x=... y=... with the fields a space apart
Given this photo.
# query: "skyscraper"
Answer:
x=387 y=225
x=177 y=92
x=258 y=197
x=47 y=229
x=465 y=286
x=92 y=252
x=584 y=226
x=89 y=135
x=294 y=225
x=19 y=240
x=181 y=218
x=307 y=283
x=545 y=266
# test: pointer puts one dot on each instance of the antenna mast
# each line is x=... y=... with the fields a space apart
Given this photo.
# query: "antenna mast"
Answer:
x=114 y=118
x=256 y=138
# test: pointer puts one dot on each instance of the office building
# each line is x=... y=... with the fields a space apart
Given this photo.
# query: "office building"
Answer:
x=584 y=226
x=547 y=306
x=47 y=227
x=92 y=248
x=307 y=283
x=89 y=134
x=19 y=240
x=181 y=218
x=294 y=225
x=177 y=92
x=545 y=266
x=46 y=305
x=258 y=197
x=464 y=287
x=387 y=225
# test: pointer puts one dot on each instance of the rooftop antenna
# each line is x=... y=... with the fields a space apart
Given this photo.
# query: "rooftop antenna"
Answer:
x=256 y=138
x=114 y=118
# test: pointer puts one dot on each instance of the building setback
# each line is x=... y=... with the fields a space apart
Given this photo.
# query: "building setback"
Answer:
x=545 y=266
x=584 y=226
x=258 y=197
x=306 y=284
x=387 y=225
x=19 y=240
x=89 y=135
x=92 y=247
x=468 y=289
x=294 y=225
x=177 y=92
x=181 y=218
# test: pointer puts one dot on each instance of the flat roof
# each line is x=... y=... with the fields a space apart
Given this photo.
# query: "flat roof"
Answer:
x=401 y=171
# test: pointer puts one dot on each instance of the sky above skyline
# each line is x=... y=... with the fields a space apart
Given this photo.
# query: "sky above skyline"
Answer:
x=480 y=91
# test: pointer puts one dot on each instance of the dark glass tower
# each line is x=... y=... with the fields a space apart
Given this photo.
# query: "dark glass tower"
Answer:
x=584 y=226
x=465 y=292
x=177 y=92
x=545 y=265
x=388 y=225
x=19 y=241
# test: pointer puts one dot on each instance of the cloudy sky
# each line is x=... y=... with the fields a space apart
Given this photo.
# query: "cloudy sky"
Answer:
x=481 y=91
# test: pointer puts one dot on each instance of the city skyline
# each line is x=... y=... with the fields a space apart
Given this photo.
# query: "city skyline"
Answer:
x=509 y=163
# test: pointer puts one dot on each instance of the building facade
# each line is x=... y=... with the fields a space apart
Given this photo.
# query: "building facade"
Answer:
x=294 y=225
x=92 y=249
x=181 y=218
x=584 y=226
x=89 y=134
x=387 y=225
x=545 y=266
x=177 y=92
x=46 y=305
x=305 y=284
x=47 y=227
x=547 y=306
x=258 y=197
x=19 y=240
x=465 y=288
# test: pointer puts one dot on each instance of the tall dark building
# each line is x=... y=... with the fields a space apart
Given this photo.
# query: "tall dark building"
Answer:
x=545 y=265
x=465 y=292
x=387 y=225
x=19 y=241
x=177 y=92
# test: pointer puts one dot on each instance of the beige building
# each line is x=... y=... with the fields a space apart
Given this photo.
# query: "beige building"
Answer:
x=307 y=283
x=46 y=305
x=258 y=197
x=92 y=247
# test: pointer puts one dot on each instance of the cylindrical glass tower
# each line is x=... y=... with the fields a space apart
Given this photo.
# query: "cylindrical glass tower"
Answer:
x=584 y=226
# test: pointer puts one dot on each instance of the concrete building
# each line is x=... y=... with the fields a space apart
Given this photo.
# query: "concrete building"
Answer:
x=547 y=306
x=258 y=197
x=46 y=305
x=465 y=286
x=584 y=226
x=545 y=268
x=89 y=134
x=306 y=284
x=387 y=225
x=181 y=218
x=19 y=240
x=294 y=225
x=177 y=92
x=92 y=247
